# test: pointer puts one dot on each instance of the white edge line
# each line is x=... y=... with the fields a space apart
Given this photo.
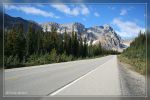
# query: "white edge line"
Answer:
x=56 y=92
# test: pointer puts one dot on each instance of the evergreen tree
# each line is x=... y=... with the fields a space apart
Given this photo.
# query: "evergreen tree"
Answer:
x=80 y=53
x=72 y=42
x=76 y=45
x=20 y=42
x=69 y=46
x=85 y=47
x=65 y=41
x=9 y=44
x=90 y=50
x=59 y=44
x=54 y=37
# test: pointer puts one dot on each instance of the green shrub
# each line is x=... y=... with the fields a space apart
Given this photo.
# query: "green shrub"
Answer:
x=53 y=56
x=64 y=57
x=11 y=61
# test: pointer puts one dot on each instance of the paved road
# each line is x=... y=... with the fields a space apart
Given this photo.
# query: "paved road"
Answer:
x=100 y=76
x=104 y=80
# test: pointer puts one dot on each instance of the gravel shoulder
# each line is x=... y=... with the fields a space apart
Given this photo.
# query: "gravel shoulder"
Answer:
x=131 y=82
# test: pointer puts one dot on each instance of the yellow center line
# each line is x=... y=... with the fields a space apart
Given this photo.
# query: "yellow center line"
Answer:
x=12 y=78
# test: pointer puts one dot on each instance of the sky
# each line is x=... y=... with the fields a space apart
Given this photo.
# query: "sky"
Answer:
x=126 y=19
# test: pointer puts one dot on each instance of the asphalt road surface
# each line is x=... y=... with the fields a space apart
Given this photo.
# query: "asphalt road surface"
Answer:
x=100 y=77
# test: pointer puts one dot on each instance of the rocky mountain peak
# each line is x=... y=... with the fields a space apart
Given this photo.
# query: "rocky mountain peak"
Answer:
x=47 y=26
x=105 y=34
x=107 y=27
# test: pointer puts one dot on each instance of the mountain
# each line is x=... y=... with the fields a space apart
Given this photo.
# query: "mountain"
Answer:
x=1 y=20
x=127 y=42
x=105 y=34
x=9 y=22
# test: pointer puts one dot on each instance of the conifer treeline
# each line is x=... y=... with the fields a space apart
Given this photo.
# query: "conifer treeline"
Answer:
x=1 y=48
x=136 y=53
x=38 y=47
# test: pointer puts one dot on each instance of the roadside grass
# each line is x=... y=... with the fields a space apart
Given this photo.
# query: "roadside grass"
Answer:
x=138 y=64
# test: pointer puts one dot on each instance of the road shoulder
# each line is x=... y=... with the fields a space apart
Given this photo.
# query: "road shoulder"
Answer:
x=132 y=83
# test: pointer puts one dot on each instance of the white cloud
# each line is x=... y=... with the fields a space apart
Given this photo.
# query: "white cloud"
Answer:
x=123 y=12
x=9 y=7
x=127 y=28
x=31 y=10
x=82 y=9
x=96 y=14
x=63 y=8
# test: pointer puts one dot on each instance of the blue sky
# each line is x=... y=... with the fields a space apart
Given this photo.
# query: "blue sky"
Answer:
x=126 y=19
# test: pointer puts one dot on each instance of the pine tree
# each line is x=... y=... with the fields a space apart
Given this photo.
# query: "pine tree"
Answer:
x=59 y=44
x=39 y=41
x=85 y=47
x=20 y=42
x=72 y=42
x=76 y=45
x=65 y=41
x=69 y=46
x=10 y=38
x=54 y=37
x=90 y=49
x=31 y=40
x=80 y=52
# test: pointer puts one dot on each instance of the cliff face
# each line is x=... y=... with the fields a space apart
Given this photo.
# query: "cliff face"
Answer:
x=104 y=34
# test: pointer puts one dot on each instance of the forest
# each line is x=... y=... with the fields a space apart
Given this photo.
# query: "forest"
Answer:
x=136 y=53
x=35 y=47
x=1 y=48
